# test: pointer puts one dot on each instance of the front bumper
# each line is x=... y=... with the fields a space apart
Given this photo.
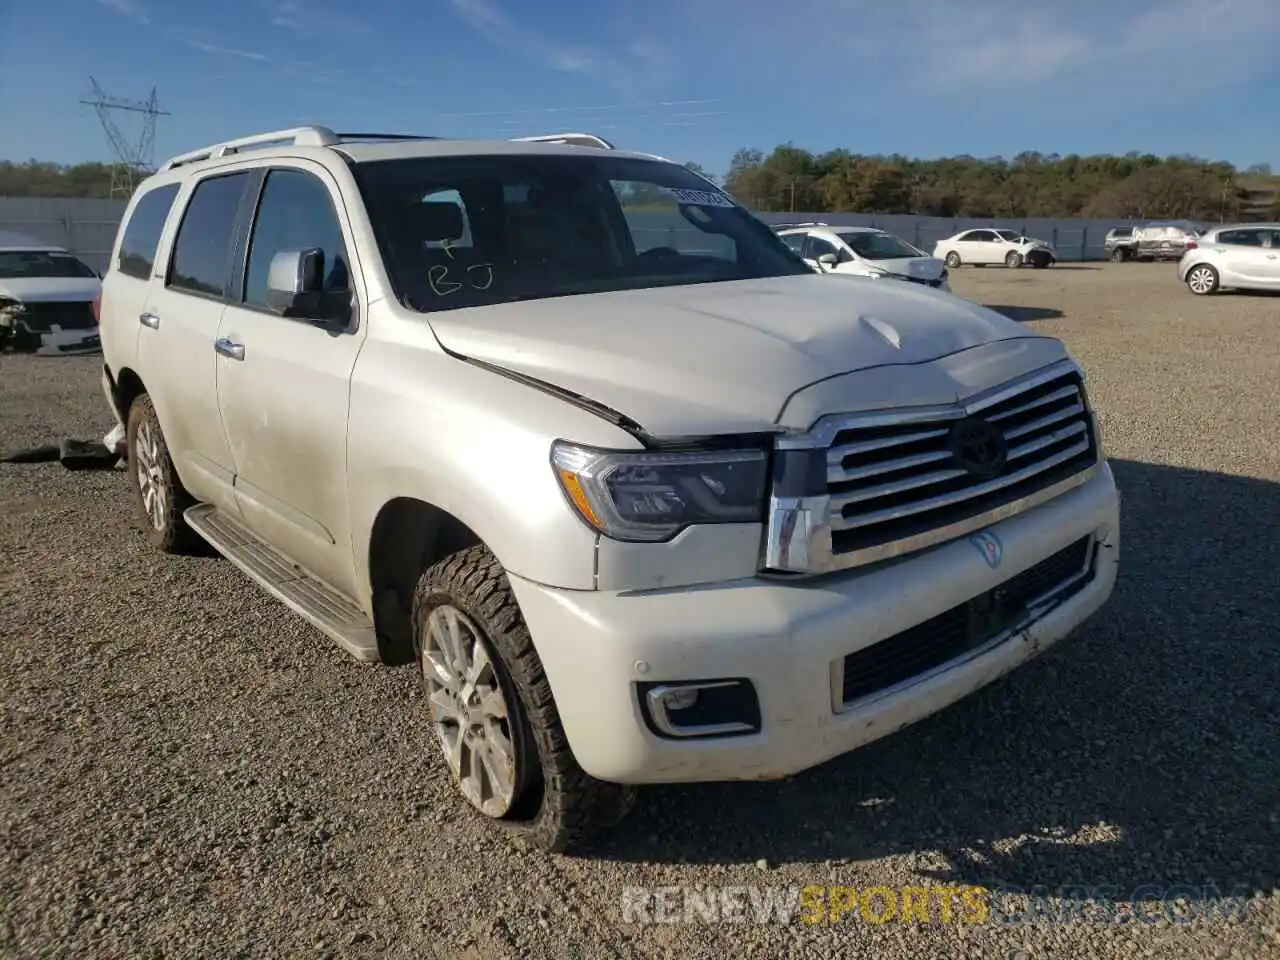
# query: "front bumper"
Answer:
x=790 y=641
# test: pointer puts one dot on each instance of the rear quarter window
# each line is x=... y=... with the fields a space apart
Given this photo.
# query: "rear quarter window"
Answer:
x=142 y=233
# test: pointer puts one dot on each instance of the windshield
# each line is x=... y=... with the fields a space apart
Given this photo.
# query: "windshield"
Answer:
x=870 y=245
x=30 y=264
x=470 y=231
x=1009 y=235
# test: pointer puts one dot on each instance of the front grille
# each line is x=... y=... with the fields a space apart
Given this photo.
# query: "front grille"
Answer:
x=968 y=626
x=900 y=480
x=42 y=316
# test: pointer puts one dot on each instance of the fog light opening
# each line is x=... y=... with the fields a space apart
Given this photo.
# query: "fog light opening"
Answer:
x=700 y=708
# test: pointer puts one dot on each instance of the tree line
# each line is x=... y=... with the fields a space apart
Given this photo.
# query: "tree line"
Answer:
x=1133 y=186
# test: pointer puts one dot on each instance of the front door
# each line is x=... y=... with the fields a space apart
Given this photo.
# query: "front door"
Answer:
x=283 y=383
x=176 y=340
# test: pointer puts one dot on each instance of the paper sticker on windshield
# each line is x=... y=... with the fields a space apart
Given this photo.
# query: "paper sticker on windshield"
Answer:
x=701 y=198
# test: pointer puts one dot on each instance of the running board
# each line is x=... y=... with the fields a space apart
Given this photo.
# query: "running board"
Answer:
x=325 y=608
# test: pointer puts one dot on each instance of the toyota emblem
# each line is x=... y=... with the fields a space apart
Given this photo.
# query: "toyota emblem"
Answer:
x=978 y=447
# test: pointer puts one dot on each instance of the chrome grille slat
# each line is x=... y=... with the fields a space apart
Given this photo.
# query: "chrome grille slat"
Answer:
x=840 y=500
x=1057 y=395
x=889 y=480
x=1034 y=446
x=943 y=500
x=837 y=455
x=875 y=469
x=1075 y=410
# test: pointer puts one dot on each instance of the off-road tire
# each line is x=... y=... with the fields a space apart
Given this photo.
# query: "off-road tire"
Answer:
x=1013 y=261
x=173 y=536
x=556 y=805
x=952 y=260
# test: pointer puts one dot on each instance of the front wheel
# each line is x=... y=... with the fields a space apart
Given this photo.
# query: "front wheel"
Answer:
x=159 y=497
x=1202 y=280
x=495 y=718
x=1014 y=260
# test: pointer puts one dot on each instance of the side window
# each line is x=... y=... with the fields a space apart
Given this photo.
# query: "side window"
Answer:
x=1242 y=238
x=817 y=247
x=795 y=241
x=295 y=212
x=202 y=252
x=981 y=236
x=142 y=232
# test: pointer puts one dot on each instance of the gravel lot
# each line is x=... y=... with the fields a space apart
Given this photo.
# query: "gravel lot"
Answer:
x=188 y=770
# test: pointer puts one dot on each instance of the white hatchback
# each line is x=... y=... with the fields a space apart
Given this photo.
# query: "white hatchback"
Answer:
x=1243 y=256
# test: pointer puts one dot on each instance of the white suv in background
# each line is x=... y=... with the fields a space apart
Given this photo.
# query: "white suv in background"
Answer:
x=644 y=498
x=863 y=252
x=989 y=246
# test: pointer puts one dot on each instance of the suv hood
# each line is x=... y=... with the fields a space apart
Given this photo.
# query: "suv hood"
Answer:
x=718 y=357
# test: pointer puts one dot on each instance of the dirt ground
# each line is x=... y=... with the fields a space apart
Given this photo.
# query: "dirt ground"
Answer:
x=188 y=770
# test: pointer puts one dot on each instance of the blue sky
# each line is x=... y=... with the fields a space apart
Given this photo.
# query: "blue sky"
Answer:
x=689 y=79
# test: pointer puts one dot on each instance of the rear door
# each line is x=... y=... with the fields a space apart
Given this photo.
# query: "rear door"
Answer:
x=127 y=285
x=284 y=382
x=176 y=345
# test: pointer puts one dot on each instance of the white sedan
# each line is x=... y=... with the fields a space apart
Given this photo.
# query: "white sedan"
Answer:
x=863 y=252
x=1243 y=256
x=988 y=246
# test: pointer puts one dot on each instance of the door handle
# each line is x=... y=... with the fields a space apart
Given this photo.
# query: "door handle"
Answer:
x=149 y=320
x=229 y=348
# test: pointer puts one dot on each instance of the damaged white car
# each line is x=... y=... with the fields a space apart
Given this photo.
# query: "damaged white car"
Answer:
x=47 y=298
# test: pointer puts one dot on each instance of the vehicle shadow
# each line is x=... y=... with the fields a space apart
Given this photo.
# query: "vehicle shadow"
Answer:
x=1141 y=750
x=1025 y=314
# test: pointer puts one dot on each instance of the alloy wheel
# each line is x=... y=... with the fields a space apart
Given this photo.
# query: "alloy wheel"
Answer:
x=1201 y=280
x=151 y=479
x=469 y=708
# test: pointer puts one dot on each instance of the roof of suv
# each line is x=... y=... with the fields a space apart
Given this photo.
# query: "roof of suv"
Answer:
x=363 y=147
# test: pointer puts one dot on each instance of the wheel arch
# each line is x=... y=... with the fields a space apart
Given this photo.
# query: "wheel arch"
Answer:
x=408 y=536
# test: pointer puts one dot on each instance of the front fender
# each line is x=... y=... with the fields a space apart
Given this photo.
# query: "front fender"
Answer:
x=476 y=444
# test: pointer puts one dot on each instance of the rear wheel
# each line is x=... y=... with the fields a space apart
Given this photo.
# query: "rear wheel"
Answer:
x=159 y=497
x=495 y=719
x=1202 y=280
x=953 y=260
x=1119 y=255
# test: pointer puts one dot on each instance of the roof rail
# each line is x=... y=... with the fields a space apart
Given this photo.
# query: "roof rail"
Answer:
x=385 y=136
x=792 y=226
x=572 y=139
x=311 y=136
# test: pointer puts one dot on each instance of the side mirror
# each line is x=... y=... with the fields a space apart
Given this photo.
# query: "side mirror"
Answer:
x=295 y=289
x=828 y=259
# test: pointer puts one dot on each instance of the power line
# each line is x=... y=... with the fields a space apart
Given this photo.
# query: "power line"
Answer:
x=132 y=159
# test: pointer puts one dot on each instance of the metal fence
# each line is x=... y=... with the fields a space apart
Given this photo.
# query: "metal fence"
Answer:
x=85 y=227
x=88 y=227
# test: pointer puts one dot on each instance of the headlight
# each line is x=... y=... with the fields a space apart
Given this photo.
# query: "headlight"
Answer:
x=641 y=496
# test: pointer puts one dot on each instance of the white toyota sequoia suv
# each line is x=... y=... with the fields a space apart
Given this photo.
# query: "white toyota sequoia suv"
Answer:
x=646 y=498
